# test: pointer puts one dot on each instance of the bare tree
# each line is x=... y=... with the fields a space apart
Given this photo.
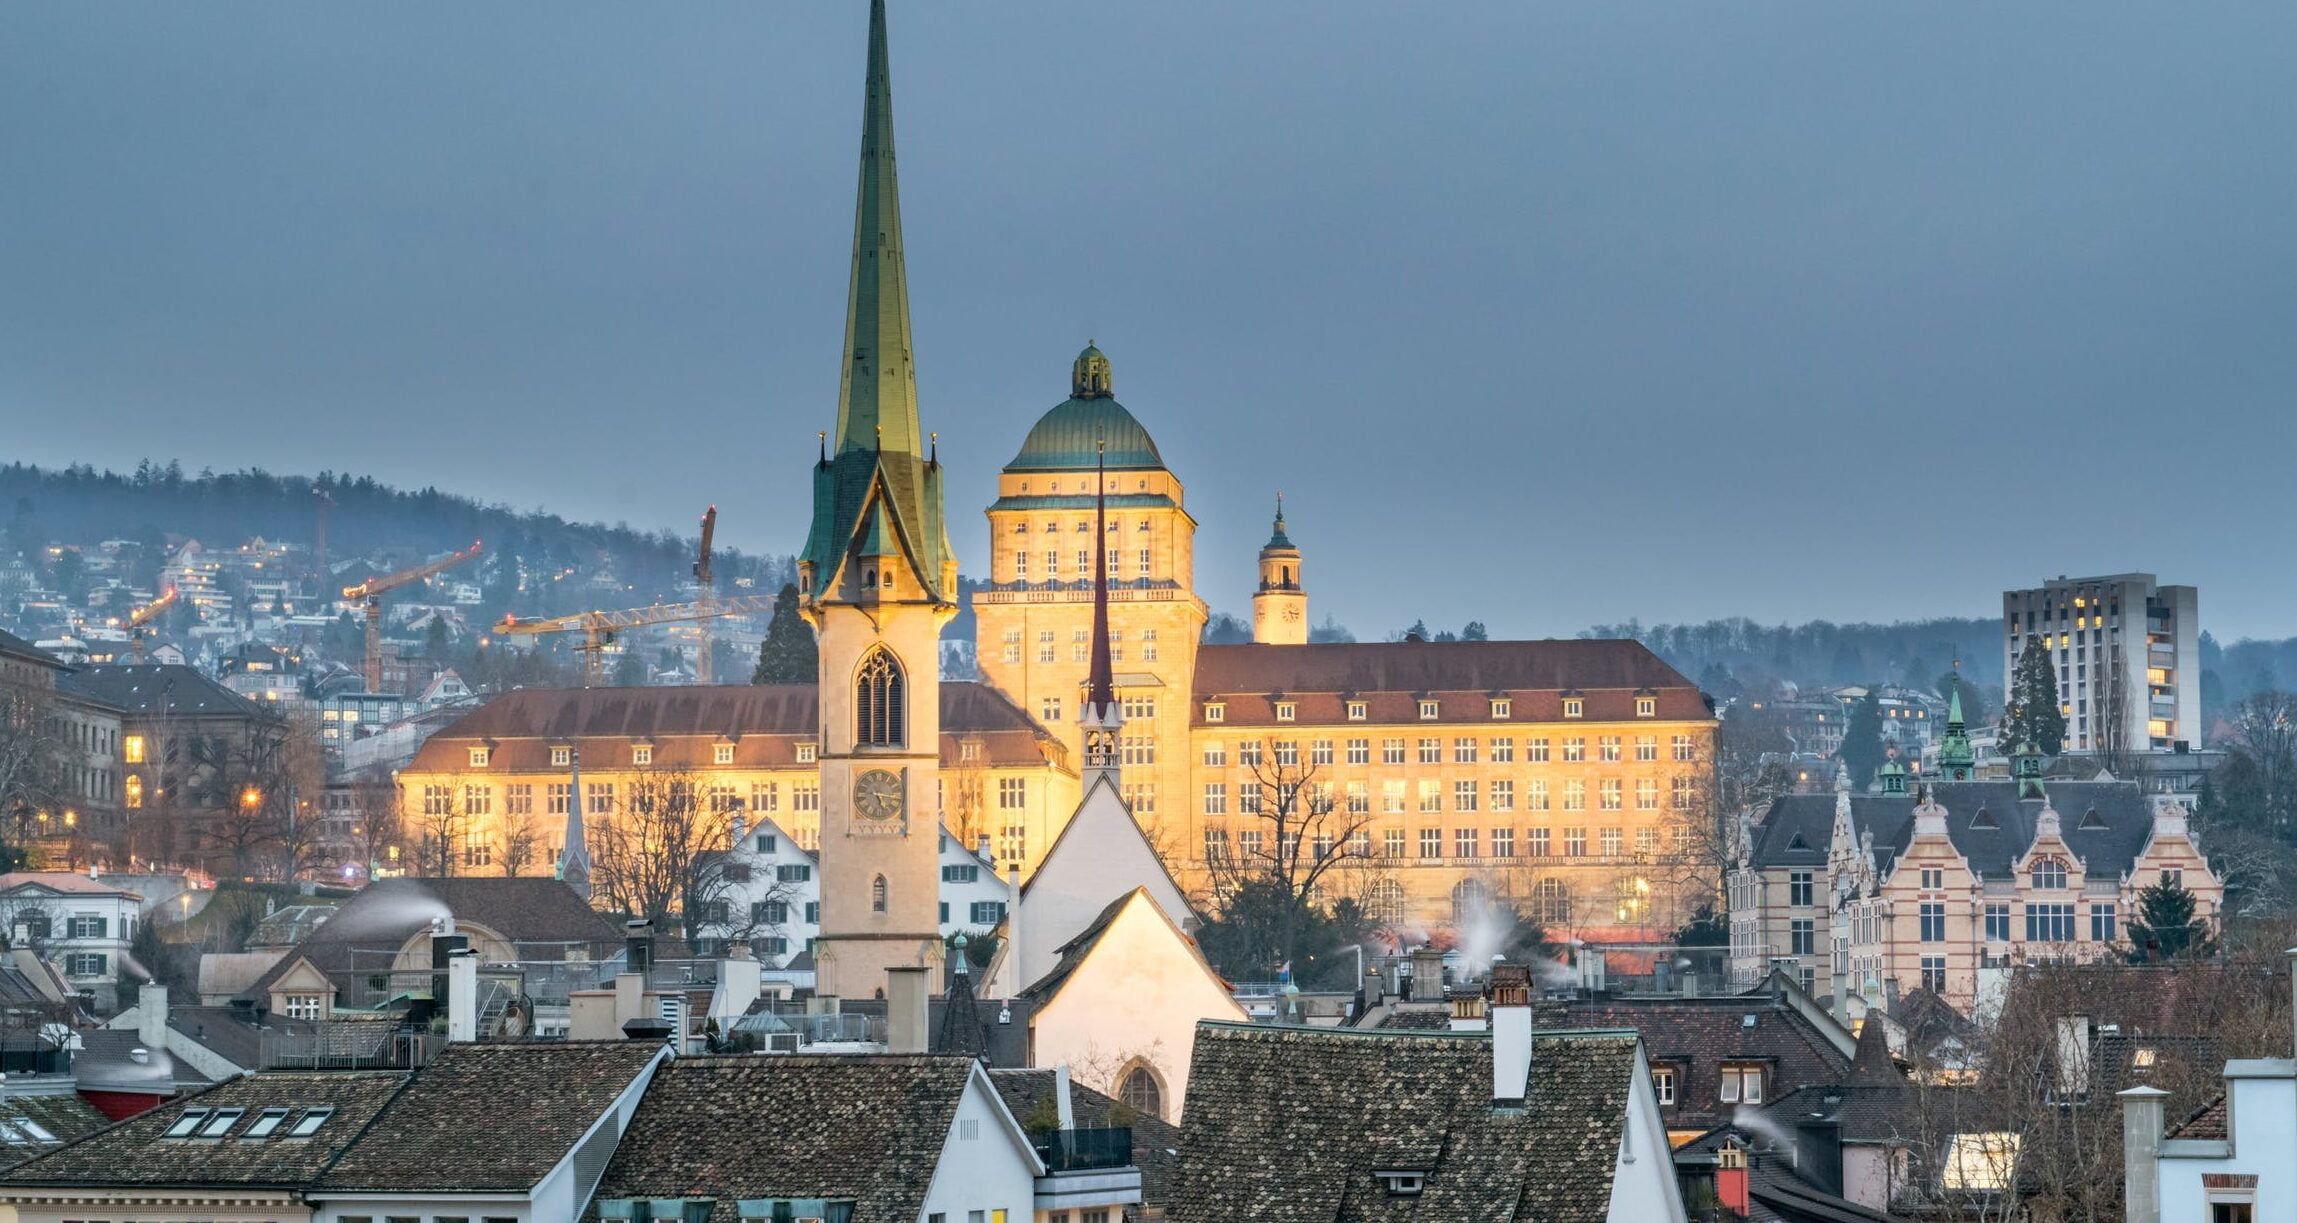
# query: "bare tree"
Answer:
x=521 y=843
x=650 y=858
x=378 y=832
x=1269 y=885
x=437 y=824
x=2117 y=719
x=31 y=766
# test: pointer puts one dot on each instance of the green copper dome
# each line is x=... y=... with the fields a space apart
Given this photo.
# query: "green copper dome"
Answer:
x=1068 y=438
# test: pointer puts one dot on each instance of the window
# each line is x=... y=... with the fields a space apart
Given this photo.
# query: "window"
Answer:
x=1286 y=711
x=1501 y=707
x=1431 y=794
x=877 y=895
x=1391 y=751
x=1933 y=878
x=1141 y=797
x=220 y=1122
x=1607 y=749
x=1430 y=710
x=1574 y=750
x=1391 y=796
x=1216 y=798
x=518 y=798
x=1287 y=754
x=132 y=749
x=878 y=702
x=1538 y=842
x=1431 y=751
x=1646 y=794
x=560 y=757
x=1573 y=707
x=1535 y=751
x=1998 y=922
x=2049 y=873
x=306 y=1006
x=642 y=753
x=1503 y=842
x=440 y=800
x=1464 y=795
x=85 y=925
x=1503 y=795
x=1613 y=797
x=1215 y=753
x=1663 y=1085
x=2102 y=915
x=1139 y=1090
x=85 y=964
x=477 y=850
x=1463 y=751
x=1248 y=797
x=1012 y=793
x=722 y=753
x=806 y=752
x=1320 y=751
x=988 y=912
x=1980 y=1161
x=2049 y=923
x=1646 y=706
x=1933 y=921
x=477 y=800
x=1431 y=842
x=1503 y=750
x=1392 y=843
x=1464 y=843
x=309 y=1123
x=1359 y=751
x=1742 y=1084
x=793 y=872
x=1646 y=748
x=1612 y=842
x=135 y=791
x=1575 y=842
x=480 y=756
x=1934 y=973
x=1358 y=711
x=1215 y=712
x=1535 y=795
x=1799 y=889
x=1682 y=792
x=1248 y=754
x=1575 y=795
x=1683 y=747
x=185 y=1123
x=1802 y=938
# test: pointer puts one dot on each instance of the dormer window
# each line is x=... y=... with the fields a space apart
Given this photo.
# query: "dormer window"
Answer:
x=1501 y=707
x=560 y=757
x=480 y=756
x=642 y=754
x=806 y=753
x=1430 y=710
x=2049 y=873
x=1646 y=707
x=722 y=753
x=1573 y=707
x=1401 y=1183
x=1286 y=711
x=1214 y=711
x=1358 y=711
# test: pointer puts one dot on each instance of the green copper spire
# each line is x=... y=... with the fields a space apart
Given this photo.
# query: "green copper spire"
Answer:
x=877 y=396
x=877 y=489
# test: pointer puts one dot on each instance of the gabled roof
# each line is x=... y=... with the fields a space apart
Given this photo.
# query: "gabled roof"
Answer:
x=172 y=689
x=490 y=1117
x=1278 y=1133
x=1392 y=676
x=1079 y=949
x=62 y=883
x=868 y=1128
x=388 y=912
x=134 y=1154
x=16 y=647
x=2107 y=844
x=1698 y=1035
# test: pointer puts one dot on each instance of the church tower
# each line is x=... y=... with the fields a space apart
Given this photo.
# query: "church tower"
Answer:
x=1280 y=606
x=877 y=580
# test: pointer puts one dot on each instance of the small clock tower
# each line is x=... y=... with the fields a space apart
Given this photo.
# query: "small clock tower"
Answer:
x=1280 y=606
x=877 y=580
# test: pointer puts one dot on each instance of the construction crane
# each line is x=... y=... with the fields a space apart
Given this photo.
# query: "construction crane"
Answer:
x=599 y=627
x=144 y=615
x=702 y=659
x=371 y=593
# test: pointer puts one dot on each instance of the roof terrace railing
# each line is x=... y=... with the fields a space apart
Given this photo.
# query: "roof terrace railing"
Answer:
x=1086 y=1150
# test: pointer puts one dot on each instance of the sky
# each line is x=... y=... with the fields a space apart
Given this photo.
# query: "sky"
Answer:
x=1540 y=314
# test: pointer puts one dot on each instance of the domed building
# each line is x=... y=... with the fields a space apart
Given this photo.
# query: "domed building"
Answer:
x=1034 y=617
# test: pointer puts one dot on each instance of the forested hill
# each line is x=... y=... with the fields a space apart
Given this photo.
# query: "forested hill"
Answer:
x=80 y=505
x=1914 y=653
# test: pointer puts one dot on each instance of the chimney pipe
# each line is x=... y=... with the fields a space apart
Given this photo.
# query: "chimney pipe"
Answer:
x=905 y=1009
x=1508 y=1012
x=462 y=996
x=638 y=946
x=444 y=944
x=2141 y=1153
x=151 y=1015
x=1015 y=977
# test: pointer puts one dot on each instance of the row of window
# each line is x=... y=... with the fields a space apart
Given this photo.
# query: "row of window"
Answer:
x=1466 y=794
x=1463 y=750
x=1740 y=1083
x=2046 y=922
x=1502 y=708
x=1464 y=843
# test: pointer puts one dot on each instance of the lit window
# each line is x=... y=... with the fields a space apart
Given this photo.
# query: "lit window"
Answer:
x=560 y=757
x=806 y=753
x=1573 y=707
x=722 y=753
x=1645 y=707
x=1663 y=1083
x=1286 y=711
x=1429 y=710
x=1358 y=711
x=642 y=753
x=132 y=750
x=1980 y=1161
x=1215 y=712
x=480 y=756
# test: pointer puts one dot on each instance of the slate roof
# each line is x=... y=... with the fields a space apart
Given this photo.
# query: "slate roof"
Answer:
x=65 y=1115
x=1698 y=1035
x=133 y=1153
x=1156 y=1143
x=848 y=1126
x=11 y=644
x=232 y=1035
x=1276 y=1126
x=386 y=913
x=2107 y=845
x=2208 y=1121
x=1393 y=676
x=147 y=688
x=105 y=1062
x=490 y=1117
x=764 y=722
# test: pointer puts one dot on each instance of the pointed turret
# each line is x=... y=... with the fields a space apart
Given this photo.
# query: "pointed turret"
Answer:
x=1956 y=760
x=877 y=493
x=1100 y=713
x=574 y=860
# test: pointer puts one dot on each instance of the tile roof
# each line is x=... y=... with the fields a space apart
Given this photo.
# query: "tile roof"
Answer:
x=151 y=688
x=764 y=722
x=388 y=912
x=1698 y=1035
x=1156 y=1143
x=2107 y=846
x=64 y=1114
x=1276 y=1126
x=106 y=1062
x=490 y=1117
x=2208 y=1121
x=134 y=1154
x=68 y=882
x=869 y=1128
x=1392 y=676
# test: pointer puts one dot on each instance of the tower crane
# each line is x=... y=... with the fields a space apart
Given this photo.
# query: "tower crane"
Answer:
x=702 y=658
x=599 y=627
x=144 y=615
x=371 y=593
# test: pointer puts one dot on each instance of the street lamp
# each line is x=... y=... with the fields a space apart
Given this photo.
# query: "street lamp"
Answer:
x=250 y=798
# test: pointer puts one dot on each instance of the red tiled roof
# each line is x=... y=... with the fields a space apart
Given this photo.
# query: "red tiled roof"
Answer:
x=2206 y=1122
x=1393 y=677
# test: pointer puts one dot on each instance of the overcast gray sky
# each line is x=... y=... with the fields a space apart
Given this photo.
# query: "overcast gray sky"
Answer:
x=1540 y=313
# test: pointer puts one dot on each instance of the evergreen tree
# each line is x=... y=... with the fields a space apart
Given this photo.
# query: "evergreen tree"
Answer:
x=2165 y=926
x=1862 y=739
x=2030 y=711
x=1475 y=631
x=788 y=654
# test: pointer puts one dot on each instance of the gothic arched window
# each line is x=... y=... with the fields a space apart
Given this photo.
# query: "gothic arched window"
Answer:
x=877 y=702
x=1139 y=1091
x=877 y=895
x=1386 y=903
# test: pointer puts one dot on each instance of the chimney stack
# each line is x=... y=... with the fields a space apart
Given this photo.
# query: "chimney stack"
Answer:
x=1509 y=1014
x=905 y=1026
x=462 y=996
x=2141 y=1153
x=1015 y=976
x=638 y=946
x=1731 y=1179
x=740 y=979
x=151 y=1015
x=1427 y=975
x=444 y=944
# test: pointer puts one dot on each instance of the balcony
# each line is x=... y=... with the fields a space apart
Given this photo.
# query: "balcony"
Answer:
x=1087 y=1150
x=1087 y=1170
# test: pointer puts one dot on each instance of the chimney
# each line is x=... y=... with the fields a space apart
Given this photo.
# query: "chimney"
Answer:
x=638 y=946
x=739 y=982
x=2141 y=1153
x=905 y=1024
x=1015 y=976
x=151 y=1015
x=741 y=829
x=462 y=996
x=1509 y=1014
x=444 y=944
x=1427 y=974
x=1731 y=1179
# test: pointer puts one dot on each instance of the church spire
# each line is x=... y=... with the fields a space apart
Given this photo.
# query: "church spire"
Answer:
x=877 y=401
x=1100 y=682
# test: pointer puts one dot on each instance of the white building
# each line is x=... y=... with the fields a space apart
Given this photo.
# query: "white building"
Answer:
x=773 y=895
x=2120 y=643
x=81 y=925
x=2228 y=1163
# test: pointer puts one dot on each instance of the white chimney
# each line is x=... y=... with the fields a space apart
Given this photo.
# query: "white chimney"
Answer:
x=1015 y=977
x=739 y=980
x=462 y=995
x=1509 y=1009
x=905 y=1010
x=151 y=1015
x=2141 y=1153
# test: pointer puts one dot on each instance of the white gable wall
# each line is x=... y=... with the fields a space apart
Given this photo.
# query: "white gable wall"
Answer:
x=1101 y=855
x=1643 y=1188
x=985 y=1163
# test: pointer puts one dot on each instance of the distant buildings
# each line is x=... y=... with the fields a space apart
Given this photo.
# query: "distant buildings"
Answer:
x=2127 y=653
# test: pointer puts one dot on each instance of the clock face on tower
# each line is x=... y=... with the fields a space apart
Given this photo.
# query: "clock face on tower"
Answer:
x=877 y=795
x=1292 y=613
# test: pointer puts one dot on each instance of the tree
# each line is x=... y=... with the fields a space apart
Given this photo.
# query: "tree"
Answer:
x=655 y=857
x=629 y=670
x=435 y=639
x=378 y=835
x=788 y=655
x=2030 y=709
x=1225 y=629
x=1861 y=748
x=2117 y=719
x=2165 y=926
x=1268 y=905
x=1475 y=631
x=32 y=756
x=1330 y=632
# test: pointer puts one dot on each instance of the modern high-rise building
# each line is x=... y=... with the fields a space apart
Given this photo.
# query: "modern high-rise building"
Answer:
x=2128 y=656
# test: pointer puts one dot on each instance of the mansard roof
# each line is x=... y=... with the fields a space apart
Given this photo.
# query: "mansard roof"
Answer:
x=1393 y=676
x=2107 y=844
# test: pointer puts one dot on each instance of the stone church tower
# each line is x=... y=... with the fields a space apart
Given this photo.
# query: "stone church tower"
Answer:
x=877 y=580
x=1280 y=606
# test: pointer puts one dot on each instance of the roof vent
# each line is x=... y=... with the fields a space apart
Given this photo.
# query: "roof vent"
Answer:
x=140 y=1056
x=1984 y=819
x=2091 y=819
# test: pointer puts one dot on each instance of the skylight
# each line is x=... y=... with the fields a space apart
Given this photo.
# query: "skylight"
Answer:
x=221 y=1123
x=38 y=1131
x=309 y=1123
x=186 y=1123
x=9 y=1135
x=265 y=1122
